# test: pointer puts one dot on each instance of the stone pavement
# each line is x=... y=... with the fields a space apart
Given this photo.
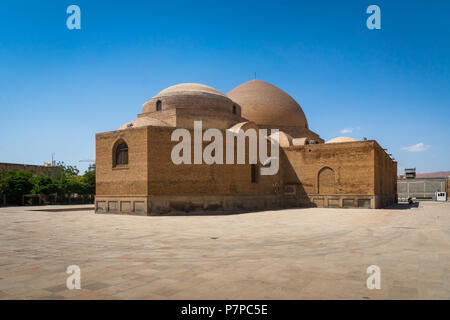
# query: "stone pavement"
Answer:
x=288 y=254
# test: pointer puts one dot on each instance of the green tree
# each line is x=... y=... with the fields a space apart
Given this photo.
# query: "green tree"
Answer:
x=43 y=184
x=64 y=180
x=2 y=182
x=89 y=180
x=75 y=184
x=18 y=183
x=70 y=171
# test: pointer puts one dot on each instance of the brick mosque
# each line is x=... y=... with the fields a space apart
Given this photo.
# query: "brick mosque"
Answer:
x=136 y=175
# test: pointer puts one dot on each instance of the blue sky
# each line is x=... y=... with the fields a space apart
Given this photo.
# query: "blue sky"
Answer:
x=59 y=87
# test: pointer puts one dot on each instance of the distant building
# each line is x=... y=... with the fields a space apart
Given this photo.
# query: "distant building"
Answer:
x=410 y=173
x=439 y=174
x=424 y=186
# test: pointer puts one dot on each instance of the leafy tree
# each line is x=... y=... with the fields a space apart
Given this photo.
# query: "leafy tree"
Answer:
x=2 y=181
x=75 y=184
x=64 y=180
x=43 y=184
x=18 y=183
x=70 y=171
x=89 y=180
x=91 y=167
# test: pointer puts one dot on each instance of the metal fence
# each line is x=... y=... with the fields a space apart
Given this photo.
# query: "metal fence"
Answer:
x=420 y=188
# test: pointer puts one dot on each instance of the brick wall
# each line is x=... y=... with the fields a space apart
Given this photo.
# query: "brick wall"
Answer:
x=27 y=167
x=166 y=178
x=352 y=164
x=354 y=174
x=122 y=180
x=363 y=174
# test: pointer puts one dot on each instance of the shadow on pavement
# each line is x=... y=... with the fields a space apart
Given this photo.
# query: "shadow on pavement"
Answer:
x=403 y=206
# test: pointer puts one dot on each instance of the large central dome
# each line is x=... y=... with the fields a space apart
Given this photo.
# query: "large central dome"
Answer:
x=266 y=104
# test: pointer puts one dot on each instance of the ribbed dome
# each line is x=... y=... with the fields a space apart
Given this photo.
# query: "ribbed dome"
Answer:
x=266 y=104
x=189 y=88
x=341 y=139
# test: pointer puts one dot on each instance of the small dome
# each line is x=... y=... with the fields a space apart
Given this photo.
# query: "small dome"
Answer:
x=283 y=139
x=244 y=126
x=341 y=139
x=266 y=104
x=300 y=141
x=199 y=98
x=144 y=122
x=189 y=88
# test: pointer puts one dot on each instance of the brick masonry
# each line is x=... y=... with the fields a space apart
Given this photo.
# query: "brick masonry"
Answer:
x=311 y=173
x=352 y=174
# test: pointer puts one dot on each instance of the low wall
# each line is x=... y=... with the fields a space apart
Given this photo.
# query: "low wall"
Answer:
x=193 y=205
x=185 y=205
x=352 y=201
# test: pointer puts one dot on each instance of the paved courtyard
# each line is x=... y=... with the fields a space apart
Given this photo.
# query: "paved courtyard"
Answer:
x=289 y=254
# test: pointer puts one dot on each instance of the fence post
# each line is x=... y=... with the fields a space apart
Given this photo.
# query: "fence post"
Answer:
x=407 y=184
x=424 y=189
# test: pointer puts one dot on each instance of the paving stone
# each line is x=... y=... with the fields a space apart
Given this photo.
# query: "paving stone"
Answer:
x=305 y=253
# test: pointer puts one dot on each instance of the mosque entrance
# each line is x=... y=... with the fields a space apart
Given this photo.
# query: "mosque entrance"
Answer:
x=326 y=181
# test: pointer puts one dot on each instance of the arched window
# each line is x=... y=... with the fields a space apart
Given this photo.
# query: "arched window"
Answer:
x=121 y=154
x=158 y=105
x=234 y=109
x=254 y=173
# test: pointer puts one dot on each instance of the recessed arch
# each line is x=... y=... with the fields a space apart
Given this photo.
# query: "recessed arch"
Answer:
x=158 y=105
x=326 y=181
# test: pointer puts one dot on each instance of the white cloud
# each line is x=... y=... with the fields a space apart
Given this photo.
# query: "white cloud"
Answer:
x=347 y=130
x=416 y=147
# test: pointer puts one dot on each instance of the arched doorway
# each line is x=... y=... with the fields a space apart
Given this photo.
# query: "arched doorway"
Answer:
x=326 y=181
